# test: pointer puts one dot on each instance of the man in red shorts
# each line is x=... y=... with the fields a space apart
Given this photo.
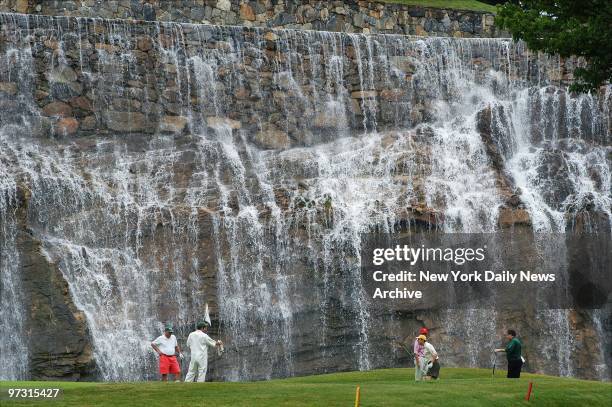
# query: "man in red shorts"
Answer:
x=167 y=348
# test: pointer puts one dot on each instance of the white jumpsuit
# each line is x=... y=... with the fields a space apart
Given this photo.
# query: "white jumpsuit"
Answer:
x=198 y=342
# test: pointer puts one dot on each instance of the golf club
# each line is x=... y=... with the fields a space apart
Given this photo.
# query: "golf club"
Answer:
x=405 y=348
x=494 y=361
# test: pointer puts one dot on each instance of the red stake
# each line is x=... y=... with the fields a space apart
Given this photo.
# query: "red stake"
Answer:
x=528 y=395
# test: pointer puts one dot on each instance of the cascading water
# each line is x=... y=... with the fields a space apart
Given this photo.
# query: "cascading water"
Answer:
x=560 y=157
x=255 y=161
x=557 y=154
x=14 y=349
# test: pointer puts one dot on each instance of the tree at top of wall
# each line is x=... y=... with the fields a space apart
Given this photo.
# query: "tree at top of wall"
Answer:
x=565 y=27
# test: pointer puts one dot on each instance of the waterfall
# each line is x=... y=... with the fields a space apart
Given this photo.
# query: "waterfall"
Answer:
x=14 y=349
x=560 y=159
x=559 y=163
x=240 y=167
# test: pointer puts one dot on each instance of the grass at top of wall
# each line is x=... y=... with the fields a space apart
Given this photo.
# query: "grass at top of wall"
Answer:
x=448 y=4
x=457 y=387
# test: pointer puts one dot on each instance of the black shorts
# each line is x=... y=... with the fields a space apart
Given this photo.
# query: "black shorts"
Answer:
x=434 y=370
x=514 y=368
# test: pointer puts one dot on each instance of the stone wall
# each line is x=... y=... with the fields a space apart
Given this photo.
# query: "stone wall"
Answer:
x=340 y=16
x=276 y=84
x=269 y=84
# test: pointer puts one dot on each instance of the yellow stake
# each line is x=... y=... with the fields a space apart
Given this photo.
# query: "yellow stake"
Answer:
x=357 y=396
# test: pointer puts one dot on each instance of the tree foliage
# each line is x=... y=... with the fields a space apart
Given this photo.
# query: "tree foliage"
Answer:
x=565 y=27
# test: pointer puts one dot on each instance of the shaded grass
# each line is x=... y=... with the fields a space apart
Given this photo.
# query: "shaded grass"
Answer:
x=387 y=387
x=448 y=4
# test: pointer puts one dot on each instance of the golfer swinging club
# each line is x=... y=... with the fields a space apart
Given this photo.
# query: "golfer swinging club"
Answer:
x=199 y=342
x=167 y=348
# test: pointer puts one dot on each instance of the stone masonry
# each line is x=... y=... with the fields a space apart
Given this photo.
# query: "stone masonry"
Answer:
x=339 y=16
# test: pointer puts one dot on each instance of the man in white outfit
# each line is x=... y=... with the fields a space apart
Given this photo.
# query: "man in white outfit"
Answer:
x=198 y=342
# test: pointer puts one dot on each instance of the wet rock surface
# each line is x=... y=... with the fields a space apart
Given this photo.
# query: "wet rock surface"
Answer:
x=57 y=334
x=171 y=165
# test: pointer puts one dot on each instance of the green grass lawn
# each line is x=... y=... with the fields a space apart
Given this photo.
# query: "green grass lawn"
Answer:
x=449 y=4
x=388 y=387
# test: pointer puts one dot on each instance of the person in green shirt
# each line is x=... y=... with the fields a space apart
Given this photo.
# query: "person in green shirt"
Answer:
x=513 y=354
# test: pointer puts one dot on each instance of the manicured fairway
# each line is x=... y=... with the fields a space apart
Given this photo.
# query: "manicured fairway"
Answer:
x=388 y=387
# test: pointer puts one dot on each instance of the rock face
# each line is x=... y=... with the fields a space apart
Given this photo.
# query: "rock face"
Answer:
x=61 y=349
x=216 y=122
x=512 y=217
x=8 y=88
x=272 y=138
x=163 y=167
x=173 y=124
